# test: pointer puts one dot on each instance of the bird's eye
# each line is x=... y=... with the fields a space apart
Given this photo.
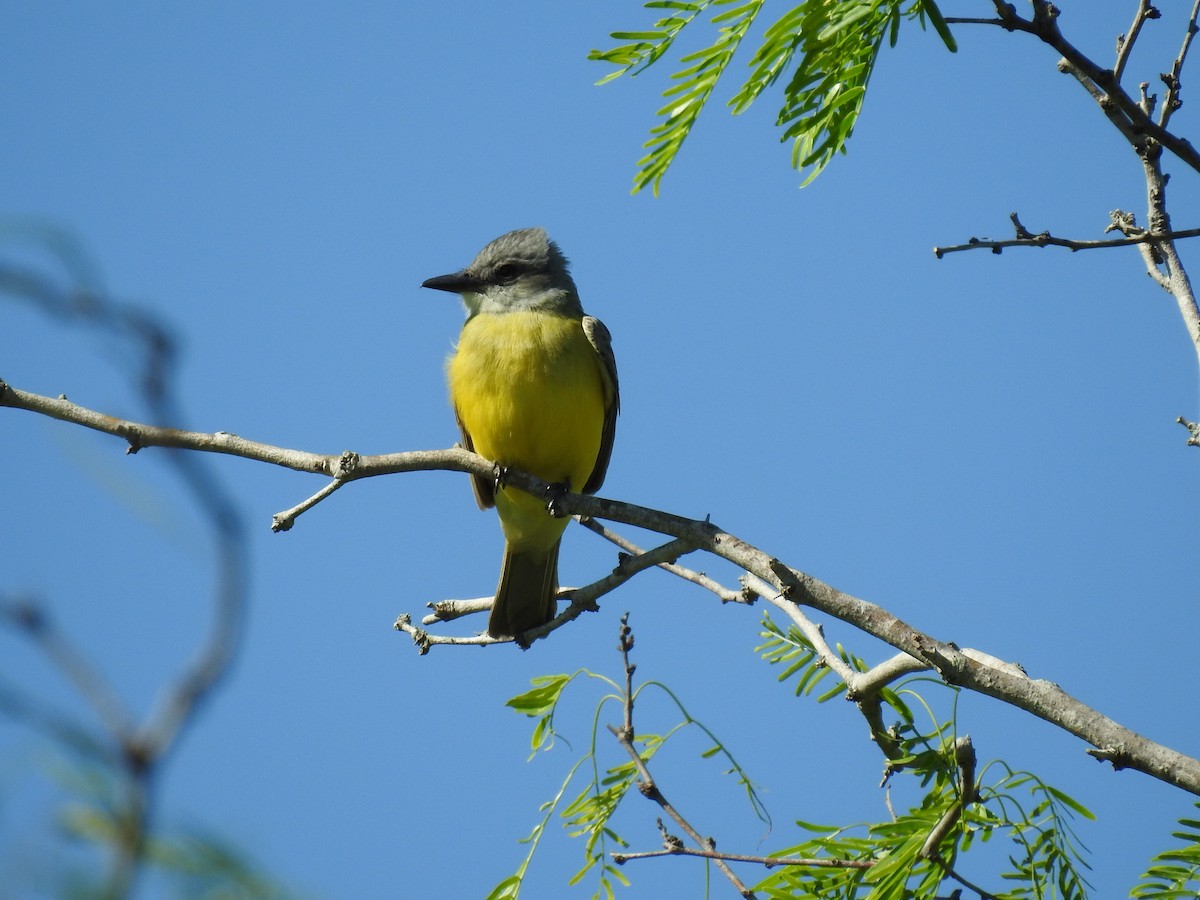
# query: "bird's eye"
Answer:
x=507 y=273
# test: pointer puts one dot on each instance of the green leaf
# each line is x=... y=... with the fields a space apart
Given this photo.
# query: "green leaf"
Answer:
x=1073 y=804
x=939 y=25
x=836 y=42
x=542 y=697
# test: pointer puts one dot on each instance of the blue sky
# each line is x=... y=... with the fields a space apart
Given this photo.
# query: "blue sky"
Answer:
x=984 y=445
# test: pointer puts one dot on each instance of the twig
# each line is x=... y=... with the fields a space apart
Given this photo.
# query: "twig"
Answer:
x=1024 y=238
x=1193 y=429
x=1162 y=261
x=1126 y=41
x=646 y=784
x=812 y=632
x=1122 y=110
x=968 y=793
x=449 y=610
x=285 y=520
x=1171 y=79
x=1133 y=118
x=964 y=756
x=769 y=862
x=698 y=578
x=582 y=600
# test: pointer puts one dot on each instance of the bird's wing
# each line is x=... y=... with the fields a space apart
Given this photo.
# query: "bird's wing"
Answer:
x=601 y=340
x=485 y=490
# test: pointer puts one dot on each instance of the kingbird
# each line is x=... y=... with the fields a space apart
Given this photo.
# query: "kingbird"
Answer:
x=533 y=383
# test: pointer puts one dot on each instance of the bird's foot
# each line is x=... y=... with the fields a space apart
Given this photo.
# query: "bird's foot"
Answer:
x=499 y=477
x=554 y=493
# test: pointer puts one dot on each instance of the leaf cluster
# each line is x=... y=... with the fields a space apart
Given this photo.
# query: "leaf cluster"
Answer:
x=1175 y=874
x=589 y=813
x=1046 y=860
x=828 y=46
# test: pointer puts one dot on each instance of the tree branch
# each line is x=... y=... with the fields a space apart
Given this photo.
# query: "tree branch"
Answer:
x=1148 y=138
x=1025 y=238
x=725 y=594
x=1172 y=101
x=1122 y=110
x=147 y=360
x=582 y=600
x=792 y=588
x=1126 y=41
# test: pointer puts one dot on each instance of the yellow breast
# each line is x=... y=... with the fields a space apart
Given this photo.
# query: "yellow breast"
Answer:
x=528 y=389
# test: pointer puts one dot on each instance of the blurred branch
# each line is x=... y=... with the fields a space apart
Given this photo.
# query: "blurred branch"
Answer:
x=34 y=621
x=789 y=588
x=148 y=359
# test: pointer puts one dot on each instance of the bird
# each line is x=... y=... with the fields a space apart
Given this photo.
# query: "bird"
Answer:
x=533 y=383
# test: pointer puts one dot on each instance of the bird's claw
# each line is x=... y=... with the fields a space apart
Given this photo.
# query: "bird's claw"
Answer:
x=554 y=493
x=499 y=476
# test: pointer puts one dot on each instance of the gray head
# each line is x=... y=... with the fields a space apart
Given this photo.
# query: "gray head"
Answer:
x=520 y=270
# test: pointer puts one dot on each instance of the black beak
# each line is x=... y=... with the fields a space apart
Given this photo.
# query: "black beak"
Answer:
x=457 y=283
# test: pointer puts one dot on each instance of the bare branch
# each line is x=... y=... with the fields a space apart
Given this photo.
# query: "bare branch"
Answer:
x=1193 y=429
x=283 y=521
x=699 y=578
x=1043 y=699
x=1025 y=238
x=1134 y=122
x=1171 y=79
x=1161 y=258
x=1126 y=41
x=449 y=610
x=582 y=600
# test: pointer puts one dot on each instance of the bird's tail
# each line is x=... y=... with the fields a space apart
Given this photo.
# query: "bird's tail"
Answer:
x=526 y=596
